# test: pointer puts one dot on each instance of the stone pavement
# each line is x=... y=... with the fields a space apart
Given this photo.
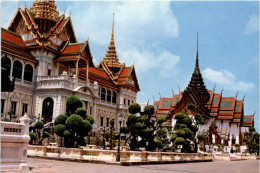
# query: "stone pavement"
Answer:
x=53 y=166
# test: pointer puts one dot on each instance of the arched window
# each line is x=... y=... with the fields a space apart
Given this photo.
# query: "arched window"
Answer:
x=114 y=97
x=109 y=95
x=6 y=64
x=47 y=109
x=28 y=72
x=103 y=94
x=17 y=70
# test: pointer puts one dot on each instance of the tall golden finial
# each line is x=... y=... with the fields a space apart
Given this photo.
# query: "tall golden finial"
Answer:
x=112 y=35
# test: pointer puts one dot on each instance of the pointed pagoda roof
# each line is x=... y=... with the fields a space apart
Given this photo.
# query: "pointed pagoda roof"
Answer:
x=196 y=82
x=45 y=9
x=110 y=58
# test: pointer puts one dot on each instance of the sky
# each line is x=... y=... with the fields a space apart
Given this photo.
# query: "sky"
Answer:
x=160 y=37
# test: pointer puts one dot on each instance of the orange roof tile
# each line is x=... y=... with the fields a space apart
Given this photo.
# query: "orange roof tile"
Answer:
x=73 y=48
x=12 y=37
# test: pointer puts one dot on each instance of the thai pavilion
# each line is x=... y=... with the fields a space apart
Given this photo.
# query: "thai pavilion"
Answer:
x=225 y=119
x=40 y=50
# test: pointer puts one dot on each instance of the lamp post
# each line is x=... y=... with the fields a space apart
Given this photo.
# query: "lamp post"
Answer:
x=120 y=118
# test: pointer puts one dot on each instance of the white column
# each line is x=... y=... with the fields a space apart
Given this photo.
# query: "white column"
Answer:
x=222 y=141
x=213 y=138
x=230 y=141
x=237 y=139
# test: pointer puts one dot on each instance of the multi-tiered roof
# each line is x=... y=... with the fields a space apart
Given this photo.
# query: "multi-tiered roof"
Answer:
x=209 y=104
x=42 y=28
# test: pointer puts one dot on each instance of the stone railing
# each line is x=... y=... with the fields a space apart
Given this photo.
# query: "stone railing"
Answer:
x=110 y=155
x=235 y=156
x=14 y=143
x=61 y=81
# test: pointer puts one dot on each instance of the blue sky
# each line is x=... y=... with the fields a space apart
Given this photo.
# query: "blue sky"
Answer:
x=160 y=39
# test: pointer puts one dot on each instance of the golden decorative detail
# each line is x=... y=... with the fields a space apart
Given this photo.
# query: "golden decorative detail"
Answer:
x=45 y=9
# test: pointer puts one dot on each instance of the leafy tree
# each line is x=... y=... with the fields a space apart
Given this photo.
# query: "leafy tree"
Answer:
x=75 y=124
x=134 y=108
x=73 y=103
x=39 y=133
x=186 y=129
x=82 y=112
x=149 y=110
x=61 y=119
x=10 y=113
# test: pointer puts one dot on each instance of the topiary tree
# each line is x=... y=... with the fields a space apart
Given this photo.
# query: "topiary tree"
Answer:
x=10 y=113
x=33 y=137
x=82 y=112
x=75 y=124
x=186 y=128
x=134 y=108
x=39 y=132
x=61 y=119
x=72 y=104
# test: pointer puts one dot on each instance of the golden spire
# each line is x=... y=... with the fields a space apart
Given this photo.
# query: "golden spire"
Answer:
x=45 y=9
x=111 y=57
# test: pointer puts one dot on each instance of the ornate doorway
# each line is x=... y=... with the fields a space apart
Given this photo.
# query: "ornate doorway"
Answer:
x=47 y=110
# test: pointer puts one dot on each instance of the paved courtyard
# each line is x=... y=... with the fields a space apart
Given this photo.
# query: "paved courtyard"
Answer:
x=51 y=166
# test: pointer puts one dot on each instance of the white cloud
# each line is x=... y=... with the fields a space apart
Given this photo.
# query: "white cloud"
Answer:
x=162 y=62
x=140 y=28
x=226 y=79
x=252 y=25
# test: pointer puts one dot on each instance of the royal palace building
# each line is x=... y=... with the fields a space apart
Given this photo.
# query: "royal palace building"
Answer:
x=40 y=50
x=225 y=119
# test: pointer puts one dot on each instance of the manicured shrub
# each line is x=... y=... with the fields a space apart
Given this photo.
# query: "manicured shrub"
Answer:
x=138 y=126
x=82 y=112
x=173 y=137
x=179 y=141
x=124 y=130
x=59 y=129
x=67 y=133
x=134 y=108
x=74 y=122
x=112 y=123
x=191 y=106
x=160 y=120
x=159 y=144
x=251 y=129
x=73 y=103
x=61 y=119
x=131 y=120
x=39 y=125
x=45 y=134
x=90 y=119
x=149 y=110
x=33 y=136
x=201 y=137
x=85 y=128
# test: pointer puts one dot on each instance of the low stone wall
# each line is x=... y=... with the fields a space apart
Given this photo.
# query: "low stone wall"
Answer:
x=14 y=142
x=110 y=155
x=235 y=156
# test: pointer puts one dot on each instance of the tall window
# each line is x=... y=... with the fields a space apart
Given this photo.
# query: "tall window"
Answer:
x=103 y=94
x=25 y=106
x=13 y=106
x=107 y=122
x=128 y=102
x=101 y=121
x=90 y=112
x=28 y=72
x=6 y=64
x=99 y=91
x=114 y=97
x=17 y=70
x=109 y=95
x=124 y=101
x=2 y=105
x=49 y=72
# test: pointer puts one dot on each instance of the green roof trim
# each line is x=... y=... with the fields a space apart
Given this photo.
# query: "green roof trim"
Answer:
x=226 y=104
x=176 y=100
x=247 y=119
x=237 y=107
x=166 y=103
x=215 y=100
x=157 y=106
